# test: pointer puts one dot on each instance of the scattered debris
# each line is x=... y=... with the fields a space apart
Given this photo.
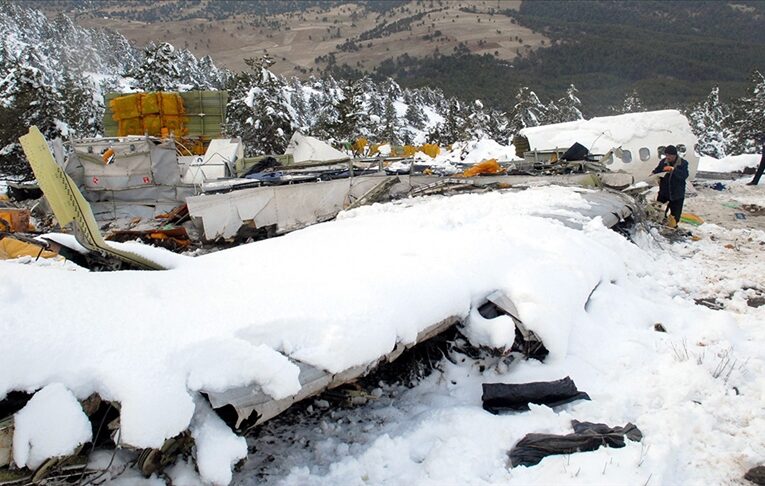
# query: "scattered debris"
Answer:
x=22 y=191
x=375 y=194
x=756 y=475
x=490 y=167
x=587 y=436
x=753 y=209
x=503 y=397
x=756 y=301
x=68 y=204
x=692 y=219
x=659 y=327
x=15 y=220
x=173 y=238
x=526 y=342
x=710 y=302
x=11 y=248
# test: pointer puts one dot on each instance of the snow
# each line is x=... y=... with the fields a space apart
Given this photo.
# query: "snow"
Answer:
x=51 y=424
x=601 y=134
x=701 y=418
x=731 y=163
x=489 y=149
x=217 y=449
x=448 y=161
x=592 y=296
x=258 y=302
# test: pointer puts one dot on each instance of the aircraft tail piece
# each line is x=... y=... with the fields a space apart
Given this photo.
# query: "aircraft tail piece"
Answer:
x=68 y=204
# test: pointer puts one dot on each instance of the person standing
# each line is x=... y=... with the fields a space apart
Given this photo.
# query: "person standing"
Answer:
x=760 y=169
x=672 y=184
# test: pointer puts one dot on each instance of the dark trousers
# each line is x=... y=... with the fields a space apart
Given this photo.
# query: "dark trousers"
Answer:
x=675 y=208
x=760 y=170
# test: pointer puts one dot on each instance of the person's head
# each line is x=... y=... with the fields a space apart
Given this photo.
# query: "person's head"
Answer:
x=670 y=153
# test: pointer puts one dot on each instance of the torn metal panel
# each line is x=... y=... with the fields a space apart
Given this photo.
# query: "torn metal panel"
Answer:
x=251 y=399
x=310 y=149
x=6 y=441
x=291 y=207
x=288 y=207
x=218 y=162
x=67 y=202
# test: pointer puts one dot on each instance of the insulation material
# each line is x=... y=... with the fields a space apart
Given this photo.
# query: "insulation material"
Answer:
x=14 y=220
x=486 y=167
x=155 y=114
x=11 y=248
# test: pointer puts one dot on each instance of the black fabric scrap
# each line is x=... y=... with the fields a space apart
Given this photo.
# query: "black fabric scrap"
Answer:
x=756 y=475
x=502 y=397
x=587 y=436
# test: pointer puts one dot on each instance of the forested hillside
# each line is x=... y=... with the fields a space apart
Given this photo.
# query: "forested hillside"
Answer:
x=54 y=74
x=673 y=53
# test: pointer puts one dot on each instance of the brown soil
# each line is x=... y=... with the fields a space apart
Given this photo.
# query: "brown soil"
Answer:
x=297 y=39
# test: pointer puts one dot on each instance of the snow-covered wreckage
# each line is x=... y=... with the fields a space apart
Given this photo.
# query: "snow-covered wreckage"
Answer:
x=189 y=352
x=633 y=142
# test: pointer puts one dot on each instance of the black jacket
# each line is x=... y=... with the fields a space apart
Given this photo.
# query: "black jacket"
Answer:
x=672 y=185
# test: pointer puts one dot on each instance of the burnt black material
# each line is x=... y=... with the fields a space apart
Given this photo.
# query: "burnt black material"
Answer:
x=265 y=164
x=587 y=436
x=576 y=152
x=756 y=475
x=502 y=397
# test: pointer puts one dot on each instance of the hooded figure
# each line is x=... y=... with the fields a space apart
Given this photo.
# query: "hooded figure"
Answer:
x=672 y=184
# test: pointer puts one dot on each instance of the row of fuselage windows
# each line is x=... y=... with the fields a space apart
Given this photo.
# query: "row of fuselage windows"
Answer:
x=645 y=153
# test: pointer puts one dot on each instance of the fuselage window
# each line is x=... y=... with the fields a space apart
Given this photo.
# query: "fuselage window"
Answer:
x=661 y=150
x=626 y=156
x=645 y=154
x=681 y=149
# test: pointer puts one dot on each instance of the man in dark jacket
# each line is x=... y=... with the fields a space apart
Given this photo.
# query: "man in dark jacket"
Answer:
x=672 y=185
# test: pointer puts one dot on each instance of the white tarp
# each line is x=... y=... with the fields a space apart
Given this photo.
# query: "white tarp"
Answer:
x=310 y=149
x=634 y=137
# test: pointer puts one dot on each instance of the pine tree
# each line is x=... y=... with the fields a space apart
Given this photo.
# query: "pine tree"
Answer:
x=709 y=120
x=553 y=114
x=477 y=121
x=453 y=128
x=299 y=105
x=632 y=103
x=569 y=107
x=748 y=121
x=390 y=123
x=82 y=112
x=25 y=100
x=160 y=70
x=528 y=110
x=414 y=115
x=258 y=110
x=499 y=127
x=349 y=113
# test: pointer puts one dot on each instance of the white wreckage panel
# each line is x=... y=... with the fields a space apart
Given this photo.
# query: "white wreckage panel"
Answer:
x=287 y=207
x=218 y=161
x=251 y=399
x=625 y=135
x=310 y=149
